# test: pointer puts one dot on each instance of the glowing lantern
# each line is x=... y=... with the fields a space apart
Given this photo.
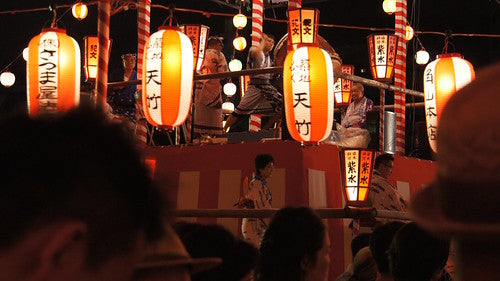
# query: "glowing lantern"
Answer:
x=7 y=79
x=53 y=72
x=25 y=54
x=199 y=36
x=442 y=78
x=91 y=55
x=79 y=11
x=389 y=6
x=303 y=26
x=409 y=33
x=229 y=89
x=239 y=21
x=307 y=84
x=235 y=65
x=422 y=57
x=227 y=107
x=342 y=88
x=167 y=77
x=382 y=50
x=356 y=169
x=240 y=43
x=244 y=81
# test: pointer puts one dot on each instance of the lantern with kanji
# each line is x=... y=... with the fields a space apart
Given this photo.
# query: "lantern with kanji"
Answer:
x=342 y=88
x=356 y=167
x=382 y=51
x=307 y=81
x=167 y=77
x=198 y=34
x=53 y=72
x=442 y=78
x=91 y=56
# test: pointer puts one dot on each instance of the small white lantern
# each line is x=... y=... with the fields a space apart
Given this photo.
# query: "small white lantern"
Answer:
x=409 y=33
x=240 y=43
x=7 y=78
x=239 y=21
x=422 y=57
x=235 y=65
x=229 y=89
x=389 y=6
x=227 y=107
x=25 y=54
x=79 y=11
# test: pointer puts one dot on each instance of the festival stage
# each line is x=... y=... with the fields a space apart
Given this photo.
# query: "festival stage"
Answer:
x=211 y=176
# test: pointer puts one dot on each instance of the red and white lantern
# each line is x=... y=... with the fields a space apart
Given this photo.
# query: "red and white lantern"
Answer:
x=442 y=79
x=356 y=169
x=53 y=72
x=307 y=82
x=167 y=77
x=382 y=51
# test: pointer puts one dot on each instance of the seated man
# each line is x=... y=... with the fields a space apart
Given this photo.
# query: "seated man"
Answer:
x=122 y=99
x=355 y=115
x=259 y=89
x=77 y=200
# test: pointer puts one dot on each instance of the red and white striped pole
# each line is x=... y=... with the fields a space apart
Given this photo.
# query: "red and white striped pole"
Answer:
x=143 y=27
x=400 y=76
x=257 y=21
x=104 y=8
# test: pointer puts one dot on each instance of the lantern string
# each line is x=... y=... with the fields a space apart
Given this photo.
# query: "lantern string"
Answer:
x=54 y=11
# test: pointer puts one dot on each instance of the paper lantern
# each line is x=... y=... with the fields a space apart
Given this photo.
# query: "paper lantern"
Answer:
x=342 y=88
x=389 y=6
x=442 y=78
x=240 y=43
x=53 y=72
x=91 y=57
x=79 y=11
x=308 y=83
x=167 y=77
x=227 y=107
x=235 y=65
x=198 y=34
x=25 y=54
x=303 y=27
x=7 y=79
x=409 y=33
x=382 y=51
x=229 y=89
x=240 y=21
x=356 y=170
x=422 y=57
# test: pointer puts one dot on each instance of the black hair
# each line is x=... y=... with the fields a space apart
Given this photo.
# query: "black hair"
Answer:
x=261 y=161
x=416 y=255
x=383 y=158
x=380 y=241
x=358 y=242
x=238 y=256
x=294 y=233
x=76 y=167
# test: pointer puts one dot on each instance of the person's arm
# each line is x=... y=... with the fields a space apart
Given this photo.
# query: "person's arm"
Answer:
x=255 y=50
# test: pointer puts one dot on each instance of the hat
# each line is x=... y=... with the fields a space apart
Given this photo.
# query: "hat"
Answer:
x=464 y=200
x=170 y=252
x=220 y=40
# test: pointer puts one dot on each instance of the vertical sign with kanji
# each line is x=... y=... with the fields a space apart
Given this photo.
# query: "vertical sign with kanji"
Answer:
x=351 y=174
x=152 y=75
x=48 y=60
x=342 y=88
x=91 y=55
x=381 y=54
x=365 y=168
x=430 y=105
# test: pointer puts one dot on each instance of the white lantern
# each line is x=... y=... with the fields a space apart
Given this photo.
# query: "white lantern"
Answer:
x=409 y=33
x=422 y=57
x=389 y=6
x=240 y=43
x=239 y=21
x=25 y=54
x=229 y=89
x=235 y=65
x=7 y=78
x=80 y=11
x=227 y=107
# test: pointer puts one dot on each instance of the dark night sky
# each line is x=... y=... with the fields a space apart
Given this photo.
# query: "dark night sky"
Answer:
x=464 y=16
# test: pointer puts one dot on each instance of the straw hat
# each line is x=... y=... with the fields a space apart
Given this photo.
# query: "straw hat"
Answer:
x=464 y=200
x=170 y=252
